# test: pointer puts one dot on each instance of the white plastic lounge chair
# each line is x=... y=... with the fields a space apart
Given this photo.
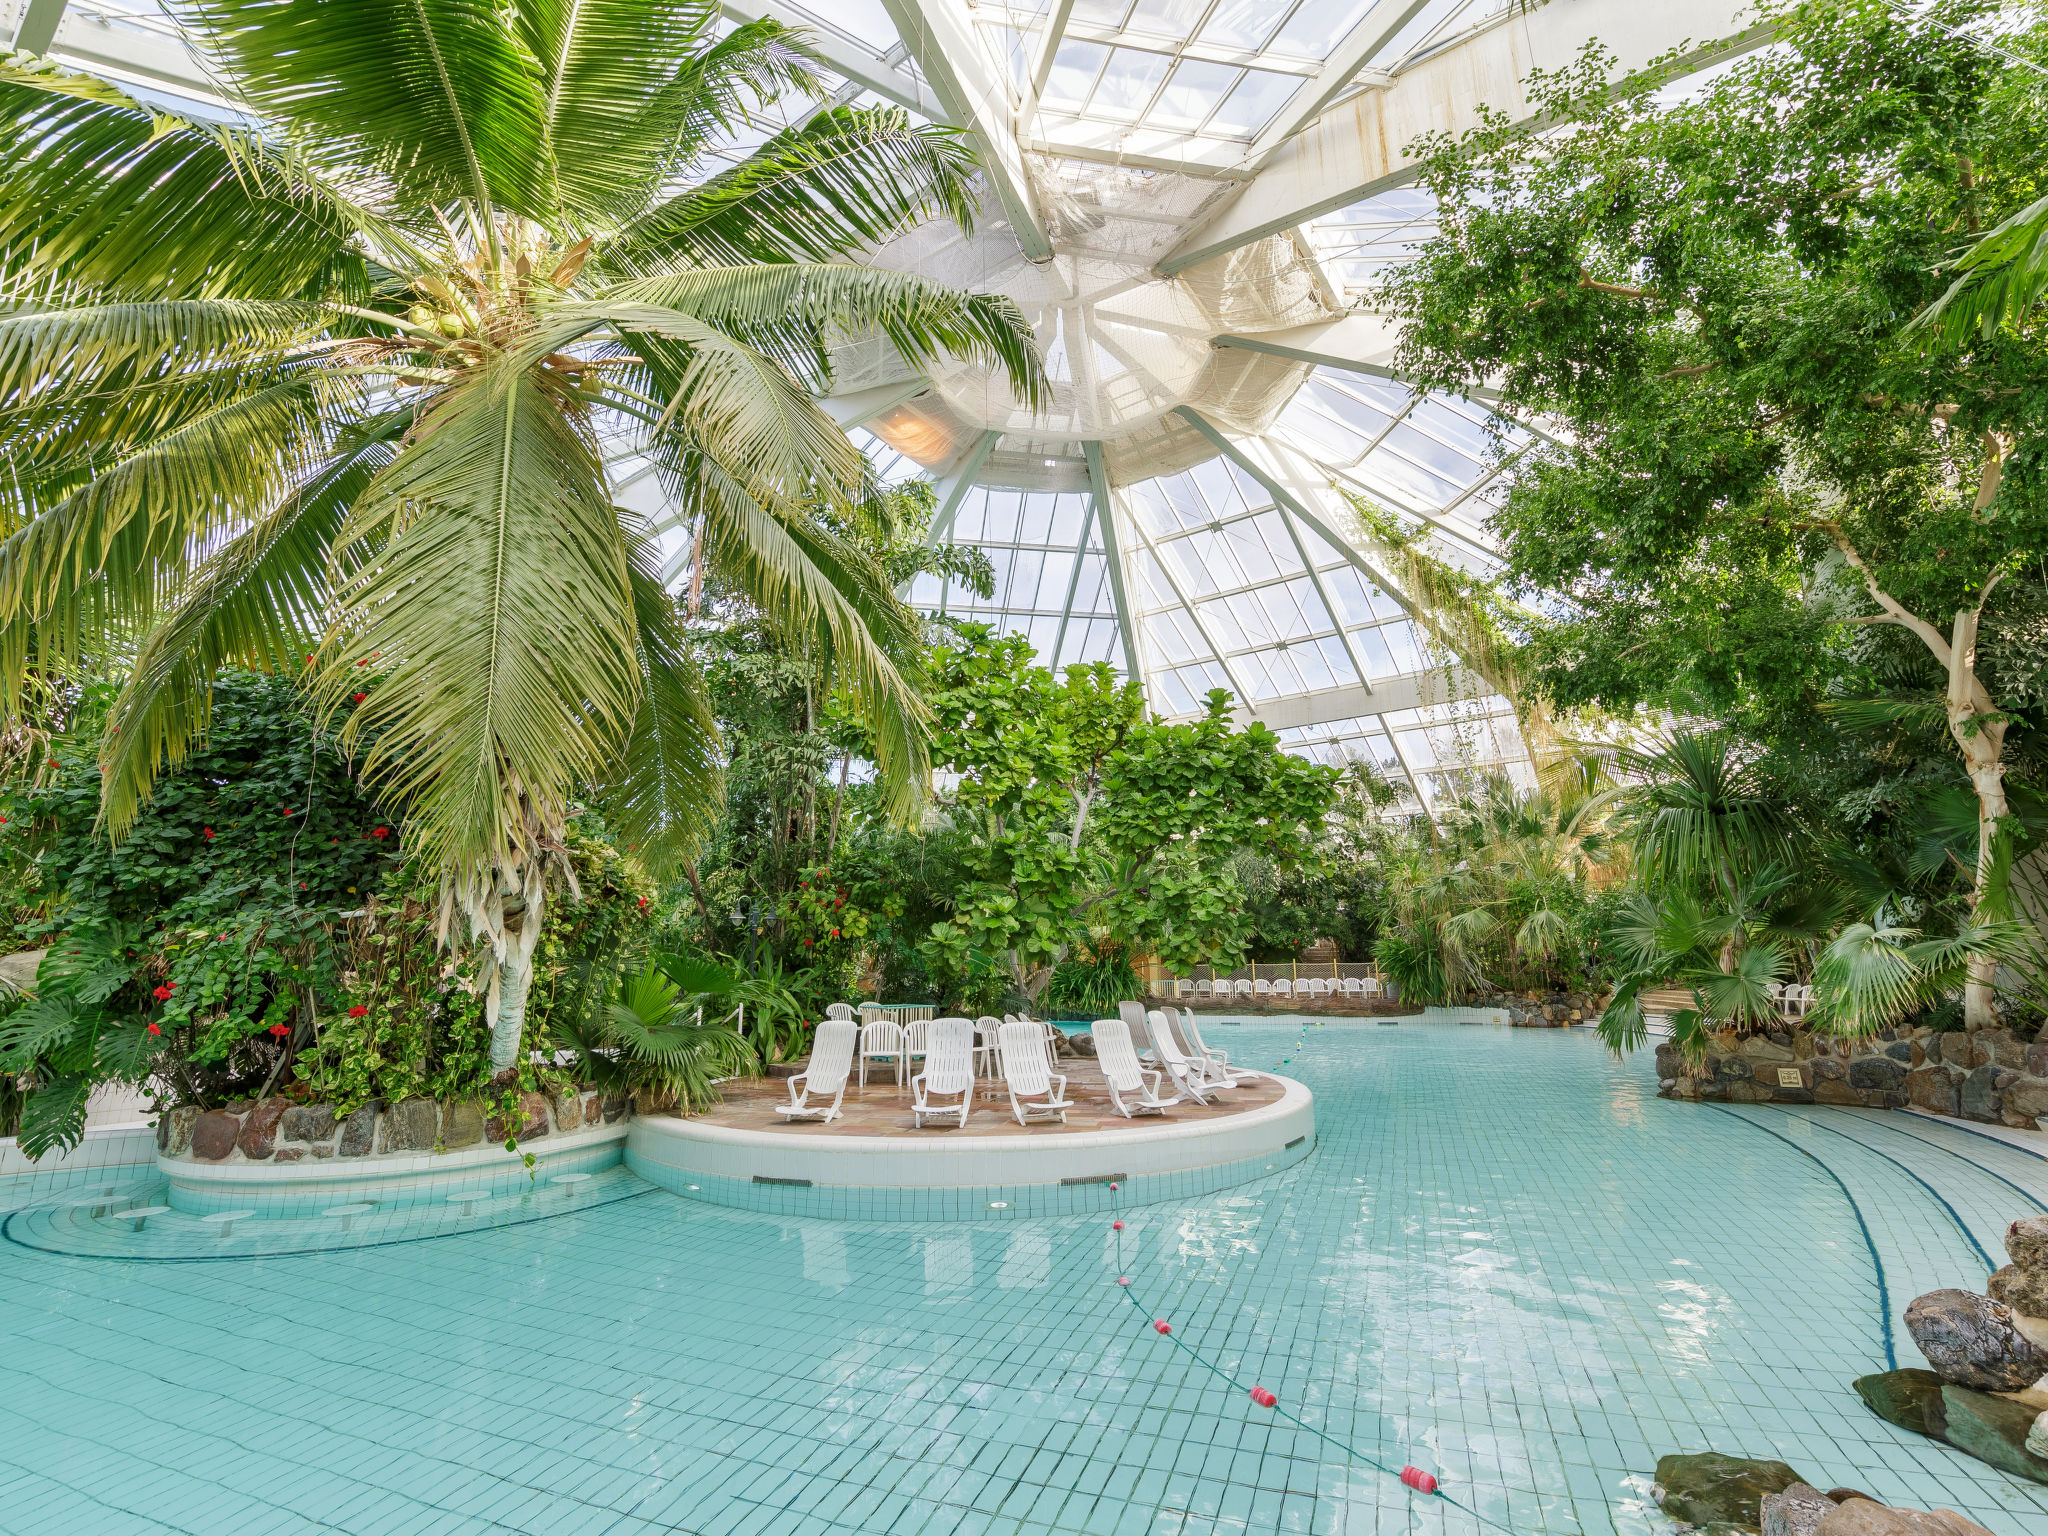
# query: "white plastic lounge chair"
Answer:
x=1133 y=1015
x=1036 y=1093
x=1132 y=1089
x=1215 y=1064
x=987 y=1041
x=825 y=1073
x=880 y=1040
x=839 y=1011
x=1187 y=1077
x=948 y=1070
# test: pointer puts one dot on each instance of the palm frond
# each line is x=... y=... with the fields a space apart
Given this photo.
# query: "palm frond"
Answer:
x=666 y=790
x=632 y=91
x=438 y=95
x=849 y=177
x=259 y=601
x=1866 y=979
x=108 y=193
x=498 y=597
x=2001 y=278
x=1744 y=995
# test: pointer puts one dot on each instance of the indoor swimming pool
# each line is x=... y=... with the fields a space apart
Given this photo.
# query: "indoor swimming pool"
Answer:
x=1506 y=1261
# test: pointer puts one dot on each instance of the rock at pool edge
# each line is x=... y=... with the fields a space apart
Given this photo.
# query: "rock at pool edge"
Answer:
x=1909 y=1399
x=1701 y=1489
x=1992 y=1429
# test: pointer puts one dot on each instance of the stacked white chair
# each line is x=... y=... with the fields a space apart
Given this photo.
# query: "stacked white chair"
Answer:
x=1129 y=1089
x=1036 y=1092
x=826 y=1072
x=1214 y=1064
x=1133 y=1015
x=1187 y=1077
x=987 y=1040
x=948 y=1070
x=880 y=1040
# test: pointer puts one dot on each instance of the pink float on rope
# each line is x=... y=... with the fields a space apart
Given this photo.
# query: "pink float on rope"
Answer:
x=1116 y=1226
x=1123 y=1279
x=1418 y=1479
x=1263 y=1398
x=1162 y=1325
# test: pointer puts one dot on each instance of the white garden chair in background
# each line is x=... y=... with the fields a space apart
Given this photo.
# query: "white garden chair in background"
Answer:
x=1187 y=1077
x=948 y=1070
x=825 y=1073
x=1133 y=1015
x=1036 y=1092
x=987 y=1041
x=1369 y=987
x=1129 y=1090
x=839 y=1011
x=1283 y=987
x=880 y=1040
x=1352 y=986
x=913 y=1040
x=1261 y=987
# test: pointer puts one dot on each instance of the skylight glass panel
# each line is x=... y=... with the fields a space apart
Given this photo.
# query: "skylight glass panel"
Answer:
x=1251 y=106
x=1074 y=69
x=1171 y=19
x=890 y=467
x=1318 y=26
x=1191 y=95
x=1241 y=23
x=1128 y=82
x=1107 y=13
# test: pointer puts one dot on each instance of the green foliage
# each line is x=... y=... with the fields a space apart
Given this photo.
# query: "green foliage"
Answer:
x=1090 y=985
x=1082 y=820
x=665 y=1032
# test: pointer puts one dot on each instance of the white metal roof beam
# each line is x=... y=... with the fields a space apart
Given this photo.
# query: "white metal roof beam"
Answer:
x=1106 y=513
x=954 y=488
x=1359 y=147
x=843 y=56
x=1353 y=52
x=941 y=38
x=38 y=28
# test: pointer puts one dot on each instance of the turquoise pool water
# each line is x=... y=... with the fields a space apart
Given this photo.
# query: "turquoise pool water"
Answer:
x=1506 y=1261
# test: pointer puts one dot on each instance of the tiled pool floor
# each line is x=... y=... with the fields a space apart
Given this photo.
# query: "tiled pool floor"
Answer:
x=1507 y=1261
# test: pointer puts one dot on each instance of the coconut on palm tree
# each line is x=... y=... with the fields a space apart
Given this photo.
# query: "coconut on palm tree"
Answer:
x=344 y=392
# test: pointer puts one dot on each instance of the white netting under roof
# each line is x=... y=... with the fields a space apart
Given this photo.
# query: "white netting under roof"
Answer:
x=1123 y=346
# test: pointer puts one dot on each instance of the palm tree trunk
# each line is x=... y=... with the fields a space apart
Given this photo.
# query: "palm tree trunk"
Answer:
x=515 y=972
x=1982 y=742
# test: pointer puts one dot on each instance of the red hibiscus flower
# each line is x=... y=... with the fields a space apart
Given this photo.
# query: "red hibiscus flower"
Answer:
x=380 y=832
x=807 y=943
x=207 y=833
x=358 y=1011
x=155 y=1029
x=163 y=993
x=280 y=1030
x=286 y=811
x=360 y=697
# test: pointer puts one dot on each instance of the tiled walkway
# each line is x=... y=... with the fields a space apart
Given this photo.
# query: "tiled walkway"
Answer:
x=1507 y=1261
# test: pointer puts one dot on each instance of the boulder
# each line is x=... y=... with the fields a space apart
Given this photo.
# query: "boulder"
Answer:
x=1979 y=1096
x=1909 y=1399
x=18 y=971
x=1992 y=1429
x=616 y=1109
x=1933 y=1089
x=2036 y=1063
x=1863 y=1517
x=309 y=1122
x=2005 y=1051
x=1798 y=1511
x=259 y=1131
x=531 y=1125
x=1707 y=1487
x=1733 y=1069
x=2026 y=1244
x=214 y=1133
x=1829 y=1069
x=174 y=1130
x=2037 y=1437
x=2019 y=1290
x=462 y=1123
x=288 y=1154
x=1829 y=1091
x=411 y=1125
x=358 y=1131
x=1971 y=1342
x=1761 y=1048
x=593 y=1109
x=1876 y=1072
x=1902 y=1051
x=569 y=1112
x=1957 y=1049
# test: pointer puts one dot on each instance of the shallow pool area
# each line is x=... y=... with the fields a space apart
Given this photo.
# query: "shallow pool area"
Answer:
x=1505 y=1260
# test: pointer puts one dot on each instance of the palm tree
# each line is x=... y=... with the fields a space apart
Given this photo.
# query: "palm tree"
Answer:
x=344 y=391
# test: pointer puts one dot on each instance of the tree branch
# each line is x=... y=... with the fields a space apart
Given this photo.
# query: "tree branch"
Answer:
x=1931 y=637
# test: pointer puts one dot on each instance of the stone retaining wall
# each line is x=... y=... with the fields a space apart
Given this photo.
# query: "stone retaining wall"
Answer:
x=1542 y=1010
x=1993 y=1076
x=280 y=1131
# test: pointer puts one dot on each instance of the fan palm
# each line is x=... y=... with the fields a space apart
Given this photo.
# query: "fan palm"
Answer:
x=346 y=391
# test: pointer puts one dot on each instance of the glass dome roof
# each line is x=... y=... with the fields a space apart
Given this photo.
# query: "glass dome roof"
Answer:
x=1189 y=199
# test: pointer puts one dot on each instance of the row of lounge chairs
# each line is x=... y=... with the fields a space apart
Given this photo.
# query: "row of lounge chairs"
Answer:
x=1282 y=986
x=1022 y=1051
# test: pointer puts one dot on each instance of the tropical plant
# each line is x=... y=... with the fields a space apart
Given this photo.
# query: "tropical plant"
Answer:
x=1765 y=487
x=1089 y=985
x=74 y=1035
x=666 y=1032
x=348 y=389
